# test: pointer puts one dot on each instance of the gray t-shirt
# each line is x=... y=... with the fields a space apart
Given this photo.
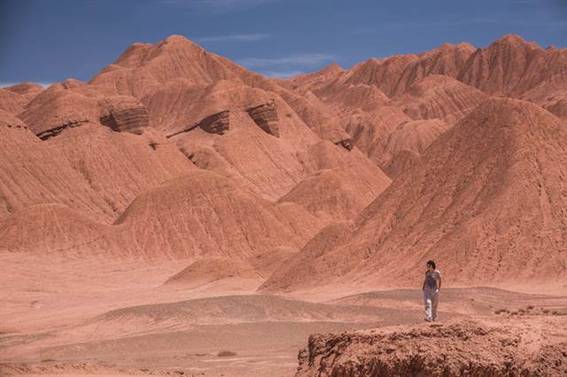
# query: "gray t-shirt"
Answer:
x=431 y=279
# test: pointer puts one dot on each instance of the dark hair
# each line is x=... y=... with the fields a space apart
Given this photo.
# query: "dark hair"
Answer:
x=431 y=263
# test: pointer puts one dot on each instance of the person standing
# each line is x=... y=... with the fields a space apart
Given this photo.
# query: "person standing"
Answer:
x=431 y=287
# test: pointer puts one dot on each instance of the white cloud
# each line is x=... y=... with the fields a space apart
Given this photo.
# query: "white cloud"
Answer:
x=5 y=84
x=235 y=38
x=299 y=60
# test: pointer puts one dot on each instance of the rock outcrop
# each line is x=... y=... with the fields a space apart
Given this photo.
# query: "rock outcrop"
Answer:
x=150 y=72
x=49 y=133
x=124 y=114
x=71 y=104
x=345 y=143
x=458 y=348
x=217 y=123
x=266 y=117
x=65 y=105
x=254 y=159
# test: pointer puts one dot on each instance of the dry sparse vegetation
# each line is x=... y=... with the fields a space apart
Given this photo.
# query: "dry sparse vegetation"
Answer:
x=225 y=353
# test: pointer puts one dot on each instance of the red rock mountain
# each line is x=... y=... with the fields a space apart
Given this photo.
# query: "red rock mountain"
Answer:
x=176 y=152
x=205 y=215
x=178 y=67
x=34 y=172
x=200 y=156
x=439 y=84
x=487 y=199
x=439 y=97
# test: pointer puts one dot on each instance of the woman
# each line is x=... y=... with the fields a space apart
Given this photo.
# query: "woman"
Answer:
x=431 y=287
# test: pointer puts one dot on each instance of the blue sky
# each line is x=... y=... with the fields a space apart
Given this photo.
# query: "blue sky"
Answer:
x=50 y=40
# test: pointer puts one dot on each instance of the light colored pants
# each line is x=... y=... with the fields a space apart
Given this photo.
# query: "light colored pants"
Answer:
x=430 y=299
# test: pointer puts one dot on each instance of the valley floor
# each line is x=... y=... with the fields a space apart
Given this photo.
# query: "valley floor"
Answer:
x=116 y=318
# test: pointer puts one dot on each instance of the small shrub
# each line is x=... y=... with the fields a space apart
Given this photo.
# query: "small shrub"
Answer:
x=226 y=354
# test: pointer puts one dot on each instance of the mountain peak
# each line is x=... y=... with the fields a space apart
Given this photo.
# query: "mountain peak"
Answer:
x=514 y=40
x=139 y=52
x=177 y=40
x=332 y=68
x=459 y=46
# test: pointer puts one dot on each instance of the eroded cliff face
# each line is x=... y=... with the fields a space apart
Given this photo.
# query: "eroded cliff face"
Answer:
x=71 y=104
x=124 y=114
x=266 y=117
x=458 y=348
x=217 y=123
x=52 y=132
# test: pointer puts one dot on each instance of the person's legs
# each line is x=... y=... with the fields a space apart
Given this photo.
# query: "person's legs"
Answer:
x=434 y=302
x=427 y=299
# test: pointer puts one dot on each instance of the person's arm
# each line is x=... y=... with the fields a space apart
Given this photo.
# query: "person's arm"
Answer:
x=438 y=281
x=424 y=281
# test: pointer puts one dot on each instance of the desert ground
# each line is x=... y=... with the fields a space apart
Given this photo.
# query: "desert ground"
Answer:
x=98 y=317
